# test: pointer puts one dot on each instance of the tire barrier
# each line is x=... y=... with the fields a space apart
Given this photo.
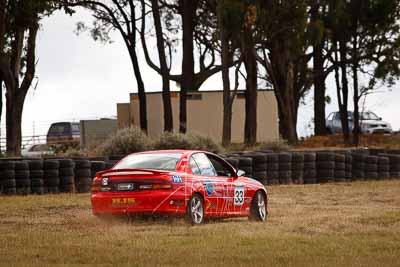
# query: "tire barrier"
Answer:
x=298 y=168
x=51 y=177
x=383 y=167
x=67 y=175
x=36 y=176
x=358 y=173
x=22 y=178
x=340 y=167
x=285 y=168
x=325 y=167
x=246 y=164
x=83 y=179
x=272 y=169
x=371 y=168
x=310 y=168
x=394 y=164
x=7 y=178
x=96 y=166
x=259 y=166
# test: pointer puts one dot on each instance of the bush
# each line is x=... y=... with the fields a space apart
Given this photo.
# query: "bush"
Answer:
x=186 y=141
x=204 y=143
x=276 y=146
x=125 y=141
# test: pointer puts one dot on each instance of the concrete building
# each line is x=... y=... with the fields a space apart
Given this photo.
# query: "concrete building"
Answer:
x=204 y=114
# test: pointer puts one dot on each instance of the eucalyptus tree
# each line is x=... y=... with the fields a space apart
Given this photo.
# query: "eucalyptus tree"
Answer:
x=122 y=16
x=283 y=54
x=19 y=25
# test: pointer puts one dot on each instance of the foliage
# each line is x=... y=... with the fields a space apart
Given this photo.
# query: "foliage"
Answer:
x=170 y=140
x=125 y=141
x=276 y=146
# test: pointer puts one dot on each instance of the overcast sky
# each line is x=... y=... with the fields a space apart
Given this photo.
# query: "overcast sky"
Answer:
x=79 y=78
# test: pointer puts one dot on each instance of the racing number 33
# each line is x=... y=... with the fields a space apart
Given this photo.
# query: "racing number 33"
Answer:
x=238 y=198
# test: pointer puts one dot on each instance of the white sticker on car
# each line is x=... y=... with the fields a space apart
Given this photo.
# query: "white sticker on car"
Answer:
x=238 y=197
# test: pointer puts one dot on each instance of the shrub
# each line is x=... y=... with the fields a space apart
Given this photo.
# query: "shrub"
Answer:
x=186 y=141
x=276 y=146
x=125 y=141
x=204 y=143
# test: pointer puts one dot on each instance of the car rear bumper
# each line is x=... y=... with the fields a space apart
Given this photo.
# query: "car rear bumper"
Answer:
x=142 y=202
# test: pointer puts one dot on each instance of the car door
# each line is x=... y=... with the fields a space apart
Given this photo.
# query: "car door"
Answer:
x=214 y=186
x=235 y=191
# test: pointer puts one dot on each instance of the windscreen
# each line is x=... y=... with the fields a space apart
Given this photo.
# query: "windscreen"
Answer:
x=369 y=116
x=155 y=161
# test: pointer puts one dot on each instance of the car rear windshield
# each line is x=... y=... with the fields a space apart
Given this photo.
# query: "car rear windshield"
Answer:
x=155 y=161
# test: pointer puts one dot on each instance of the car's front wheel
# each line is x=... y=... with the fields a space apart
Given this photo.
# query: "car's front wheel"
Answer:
x=196 y=209
x=258 y=211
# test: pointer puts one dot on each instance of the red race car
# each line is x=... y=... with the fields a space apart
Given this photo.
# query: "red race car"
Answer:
x=196 y=184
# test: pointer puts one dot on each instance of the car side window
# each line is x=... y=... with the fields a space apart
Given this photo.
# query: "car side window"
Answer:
x=193 y=166
x=221 y=167
x=204 y=165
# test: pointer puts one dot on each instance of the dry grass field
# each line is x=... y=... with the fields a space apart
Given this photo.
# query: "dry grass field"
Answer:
x=354 y=224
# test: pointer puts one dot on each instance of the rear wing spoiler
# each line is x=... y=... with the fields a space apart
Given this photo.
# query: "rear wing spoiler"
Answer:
x=130 y=172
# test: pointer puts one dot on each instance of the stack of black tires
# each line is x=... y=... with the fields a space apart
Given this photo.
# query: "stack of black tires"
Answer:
x=272 y=168
x=358 y=166
x=310 y=168
x=371 y=168
x=340 y=167
x=67 y=176
x=298 y=168
x=83 y=179
x=233 y=161
x=394 y=162
x=325 y=167
x=36 y=176
x=96 y=166
x=7 y=178
x=383 y=167
x=22 y=180
x=285 y=168
x=349 y=166
x=246 y=165
x=51 y=176
x=259 y=166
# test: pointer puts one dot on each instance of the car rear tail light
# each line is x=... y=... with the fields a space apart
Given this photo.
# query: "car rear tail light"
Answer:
x=155 y=186
x=95 y=186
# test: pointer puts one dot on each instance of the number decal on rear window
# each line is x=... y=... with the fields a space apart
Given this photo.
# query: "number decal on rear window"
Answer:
x=238 y=198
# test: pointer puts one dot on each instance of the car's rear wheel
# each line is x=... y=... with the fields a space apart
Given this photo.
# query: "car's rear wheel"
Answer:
x=258 y=211
x=195 y=209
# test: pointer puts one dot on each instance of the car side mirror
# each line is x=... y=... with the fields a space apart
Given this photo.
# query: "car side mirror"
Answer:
x=379 y=119
x=240 y=173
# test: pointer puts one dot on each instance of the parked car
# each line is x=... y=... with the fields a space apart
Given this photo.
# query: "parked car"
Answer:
x=64 y=132
x=197 y=184
x=369 y=123
x=36 y=150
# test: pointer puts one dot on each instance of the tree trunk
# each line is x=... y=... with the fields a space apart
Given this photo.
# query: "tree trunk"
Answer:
x=319 y=91
x=141 y=90
x=343 y=107
x=250 y=63
x=188 y=12
x=227 y=114
x=14 y=106
x=356 y=97
x=287 y=106
x=166 y=94
x=16 y=92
